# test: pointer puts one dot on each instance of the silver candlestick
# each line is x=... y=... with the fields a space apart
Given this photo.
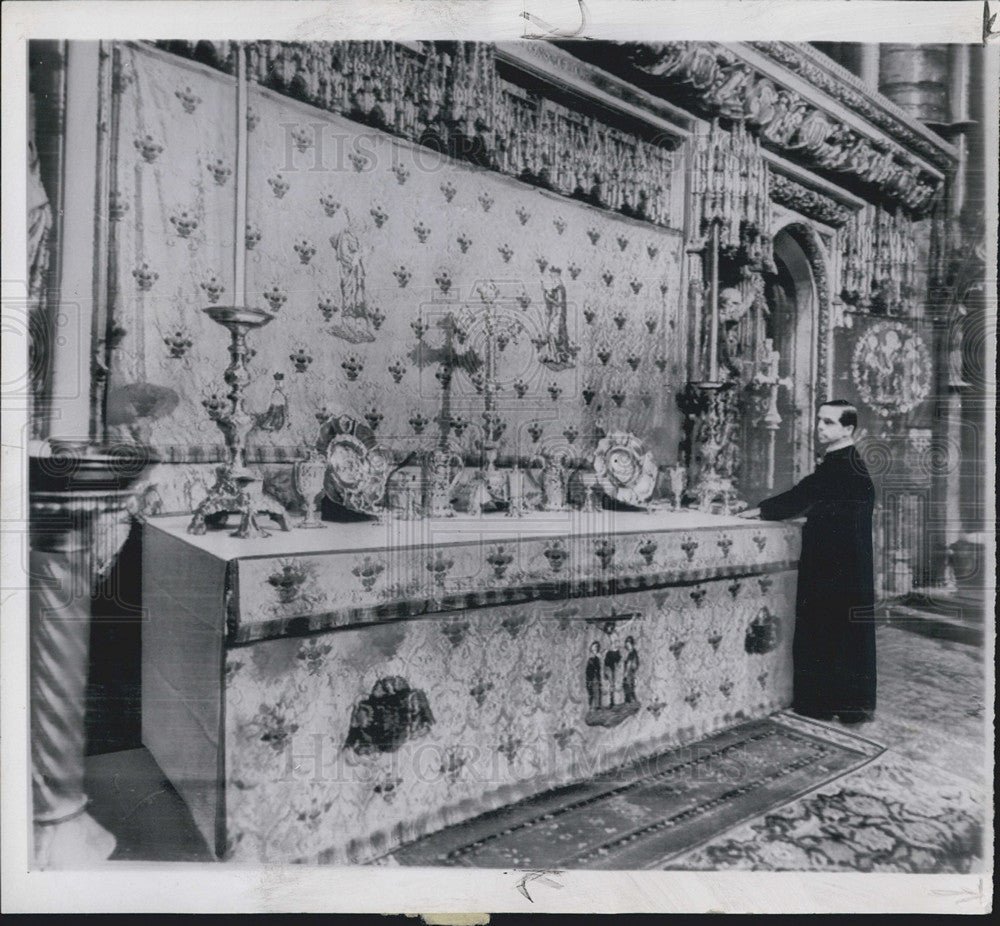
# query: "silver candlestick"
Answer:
x=236 y=490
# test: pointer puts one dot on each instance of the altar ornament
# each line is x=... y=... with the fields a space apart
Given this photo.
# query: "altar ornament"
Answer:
x=767 y=378
x=677 y=476
x=236 y=489
x=309 y=476
x=440 y=470
x=357 y=469
x=625 y=469
x=553 y=465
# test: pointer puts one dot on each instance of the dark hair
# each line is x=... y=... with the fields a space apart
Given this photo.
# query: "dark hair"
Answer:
x=848 y=414
x=630 y=640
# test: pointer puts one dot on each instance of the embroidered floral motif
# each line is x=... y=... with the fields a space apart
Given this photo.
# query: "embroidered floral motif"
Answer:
x=330 y=205
x=301 y=360
x=288 y=581
x=647 y=549
x=273 y=725
x=604 y=550
x=452 y=764
x=145 y=276
x=402 y=276
x=178 y=343
x=279 y=185
x=440 y=565
x=560 y=224
x=304 y=138
x=149 y=148
x=506 y=252
x=697 y=595
x=305 y=249
x=220 y=171
x=556 y=554
x=374 y=417
x=379 y=215
x=252 y=236
x=509 y=747
x=396 y=369
x=276 y=297
x=486 y=201
x=402 y=173
x=327 y=305
x=448 y=188
x=443 y=280
x=522 y=215
x=184 y=223
x=464 y=242
x=499 y=558
x=594 y=235
x=538 y=677
x=312 y=654
x=351 y=366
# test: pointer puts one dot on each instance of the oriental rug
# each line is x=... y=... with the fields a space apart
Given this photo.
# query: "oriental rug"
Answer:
x=643 y=815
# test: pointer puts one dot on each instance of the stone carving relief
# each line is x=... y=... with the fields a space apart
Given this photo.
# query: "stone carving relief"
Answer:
x=724 y=85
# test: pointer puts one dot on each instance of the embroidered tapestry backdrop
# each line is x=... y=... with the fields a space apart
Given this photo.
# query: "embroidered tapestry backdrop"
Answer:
x=362 y=245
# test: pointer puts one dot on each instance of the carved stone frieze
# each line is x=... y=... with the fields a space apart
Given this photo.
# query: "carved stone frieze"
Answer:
x=848 y=89
x=810 y=203
x=720 y=83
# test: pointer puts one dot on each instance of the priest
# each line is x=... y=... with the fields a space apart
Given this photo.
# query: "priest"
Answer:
x=834 y=645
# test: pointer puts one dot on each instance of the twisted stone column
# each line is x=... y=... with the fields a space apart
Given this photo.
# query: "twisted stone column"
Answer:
x=69 y=496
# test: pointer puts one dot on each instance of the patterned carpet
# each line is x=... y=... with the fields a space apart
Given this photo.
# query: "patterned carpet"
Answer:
x=642 y=815
x=920 y=807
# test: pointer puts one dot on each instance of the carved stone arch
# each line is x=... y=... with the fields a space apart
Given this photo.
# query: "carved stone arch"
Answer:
x=808 y=238
x=803 y=282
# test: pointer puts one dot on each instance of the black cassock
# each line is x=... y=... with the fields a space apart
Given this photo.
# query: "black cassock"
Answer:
x=834 y=645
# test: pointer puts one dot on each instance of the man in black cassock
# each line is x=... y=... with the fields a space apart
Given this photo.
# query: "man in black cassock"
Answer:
x=834 y=644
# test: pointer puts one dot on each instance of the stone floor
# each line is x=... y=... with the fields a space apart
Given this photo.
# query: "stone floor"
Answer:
x=918 y=807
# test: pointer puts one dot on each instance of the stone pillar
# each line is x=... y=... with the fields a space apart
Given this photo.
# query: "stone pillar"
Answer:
x=915 y=78
x=868 y=65
x=71 y=492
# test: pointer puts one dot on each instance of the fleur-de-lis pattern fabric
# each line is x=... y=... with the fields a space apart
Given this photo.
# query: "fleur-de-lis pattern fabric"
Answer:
x=350 y=234
x=507 y=689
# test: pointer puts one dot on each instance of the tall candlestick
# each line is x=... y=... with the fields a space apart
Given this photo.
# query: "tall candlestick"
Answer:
x=239 y=231
x=713 y=337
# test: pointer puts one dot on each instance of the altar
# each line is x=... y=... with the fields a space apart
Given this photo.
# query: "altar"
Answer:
x=325 y=696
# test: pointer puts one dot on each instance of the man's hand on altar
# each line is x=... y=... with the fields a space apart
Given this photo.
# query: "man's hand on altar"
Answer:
x=749 y=513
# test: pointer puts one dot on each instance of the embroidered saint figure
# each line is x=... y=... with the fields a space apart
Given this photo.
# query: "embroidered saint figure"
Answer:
x=555 y=350
x=356 y=326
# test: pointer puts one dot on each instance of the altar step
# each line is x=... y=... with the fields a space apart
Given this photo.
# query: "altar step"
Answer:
x=959 y=618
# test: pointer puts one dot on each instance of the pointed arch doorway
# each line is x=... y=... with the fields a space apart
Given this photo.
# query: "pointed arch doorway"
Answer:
x=793 y=300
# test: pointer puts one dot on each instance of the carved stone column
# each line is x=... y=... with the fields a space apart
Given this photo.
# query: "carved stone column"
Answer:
x=71 y=493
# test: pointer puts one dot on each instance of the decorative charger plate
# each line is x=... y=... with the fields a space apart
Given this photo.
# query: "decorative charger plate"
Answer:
x=624 y=469
x=357 y=470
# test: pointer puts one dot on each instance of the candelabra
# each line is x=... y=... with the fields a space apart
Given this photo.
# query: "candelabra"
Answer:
x=235 y=490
